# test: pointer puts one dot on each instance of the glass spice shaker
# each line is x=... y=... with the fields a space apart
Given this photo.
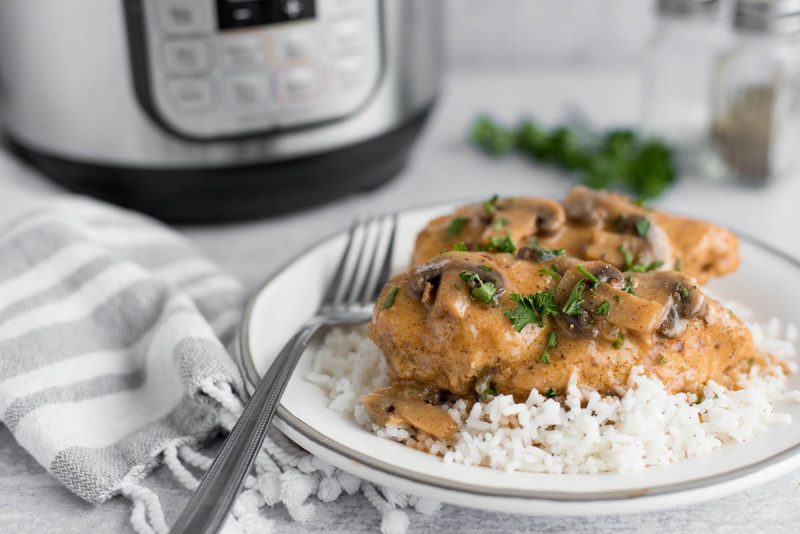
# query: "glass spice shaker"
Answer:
x=677 y=75
x=755 y=93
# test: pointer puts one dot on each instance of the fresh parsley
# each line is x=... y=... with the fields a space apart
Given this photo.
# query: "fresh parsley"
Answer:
x=552 y=341
x=551 y=393
x=485 y=268
x=456 y=226
x=490 y=206
x=661 y=359
x=627 y=257
x=499 y=223
x=618 y=341
x=574 y=303
x=551 y=271
x=627 y=287
x=460 y=247
x=390 y=298
x=501 y=244
x=602 y=308
x=589 y=276
x=532 y=309
x=642 y=227
x=483 y=291
x=544 y=254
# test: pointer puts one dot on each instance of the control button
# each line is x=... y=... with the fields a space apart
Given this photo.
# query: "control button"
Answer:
x=299 y=82
x=184 y=16
x=244 y=52
x=186 y=57
x=347 y=34
x=247 y=89
x=297 y=9
x=192 y=95
x=296 y=45
x=241 y=13
x=350 y=69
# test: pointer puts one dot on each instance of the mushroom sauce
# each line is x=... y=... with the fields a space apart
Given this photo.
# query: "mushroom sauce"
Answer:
x=516 y=294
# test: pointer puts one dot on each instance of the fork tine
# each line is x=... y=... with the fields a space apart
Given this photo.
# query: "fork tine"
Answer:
x=386 y=268
x=372 y=275
x=336 y=282
x=350 y=292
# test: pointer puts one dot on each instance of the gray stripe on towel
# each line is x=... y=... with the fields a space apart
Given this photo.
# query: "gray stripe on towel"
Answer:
x=95 y=474
x=118 y=323
x=88 y=389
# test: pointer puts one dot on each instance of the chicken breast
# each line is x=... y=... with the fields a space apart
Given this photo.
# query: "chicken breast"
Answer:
x=465 y=321
x=589 y=225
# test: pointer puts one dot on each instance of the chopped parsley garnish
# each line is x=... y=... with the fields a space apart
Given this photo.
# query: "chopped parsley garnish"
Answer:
x=661 y=359
x=618 y=341
x=627 y=287
x=390 y=298
x=484 y=389
x=501 y=244
x=499 y=223
x=460 y=247
x=532 y=309
x=551 y=271
x=642 y=227
x=490 y=206
x=682 y=291
x=483 y=291
x=655 y=265
x=550 y=393
x=592 y=278
x=457 y=225
x=485 y=268
x=627 y=257
x=544 y=254
x=602 y=309
x=552 y=340
x=573 y=306
x=525 y=313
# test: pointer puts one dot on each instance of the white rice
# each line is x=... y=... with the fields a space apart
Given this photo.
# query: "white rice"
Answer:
x=646 y=427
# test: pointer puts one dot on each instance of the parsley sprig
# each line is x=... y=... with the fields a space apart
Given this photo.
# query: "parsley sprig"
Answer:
x=483 y=291
x=532 y=308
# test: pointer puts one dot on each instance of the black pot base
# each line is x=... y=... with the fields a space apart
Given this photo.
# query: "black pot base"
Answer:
x=227 y=194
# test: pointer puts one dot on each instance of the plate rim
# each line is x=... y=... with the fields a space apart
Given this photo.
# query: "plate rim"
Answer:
x=250 y=377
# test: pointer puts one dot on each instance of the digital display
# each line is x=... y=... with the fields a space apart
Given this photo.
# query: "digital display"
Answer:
x=246 y=13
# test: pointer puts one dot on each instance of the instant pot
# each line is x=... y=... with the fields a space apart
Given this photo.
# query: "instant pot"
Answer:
x=213 y=110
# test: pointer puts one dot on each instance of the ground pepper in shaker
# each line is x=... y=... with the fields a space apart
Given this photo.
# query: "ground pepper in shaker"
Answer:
x=678 y=68
x=755 y=94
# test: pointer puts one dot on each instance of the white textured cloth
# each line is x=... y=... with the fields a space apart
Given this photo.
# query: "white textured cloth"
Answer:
x=113 y=335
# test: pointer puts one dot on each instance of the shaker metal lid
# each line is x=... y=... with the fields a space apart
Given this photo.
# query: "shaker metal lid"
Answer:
x=689 y=8
x=767 y=16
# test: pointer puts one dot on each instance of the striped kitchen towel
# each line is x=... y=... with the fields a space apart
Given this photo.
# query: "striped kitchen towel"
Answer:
x=115 y=343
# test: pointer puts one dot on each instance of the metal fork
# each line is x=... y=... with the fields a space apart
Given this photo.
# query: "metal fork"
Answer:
x=362 y=271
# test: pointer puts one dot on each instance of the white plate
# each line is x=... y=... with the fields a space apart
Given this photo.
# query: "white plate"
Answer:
x=767 y=281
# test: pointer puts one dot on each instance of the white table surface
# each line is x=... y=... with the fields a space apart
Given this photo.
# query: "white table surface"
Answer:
x=443 y=167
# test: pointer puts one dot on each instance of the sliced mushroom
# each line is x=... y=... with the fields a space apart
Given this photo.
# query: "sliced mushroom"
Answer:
x=548 y=214
x=583 y=323
x=685 y=301
x=425 y=279
x=408 y=406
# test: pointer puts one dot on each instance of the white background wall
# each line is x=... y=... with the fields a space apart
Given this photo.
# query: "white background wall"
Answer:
x=559 y=32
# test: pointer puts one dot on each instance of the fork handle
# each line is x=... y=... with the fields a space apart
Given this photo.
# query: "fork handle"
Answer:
x=208 y=507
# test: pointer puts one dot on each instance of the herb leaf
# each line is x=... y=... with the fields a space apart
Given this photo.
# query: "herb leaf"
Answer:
x=592 y=278
x=628 y=258
x=550 y=393
x=490 y=206
x=525 y=313
x=573 y=306
x=483 y=291
x=602 y=309
x=456 y=226
x=628 y=286
x=618 y=341
x=499 y=223
x=544 y=254
x=501 y=244
x=460 y=247
x=551 y=271
x=390 y=298
x=642 y=227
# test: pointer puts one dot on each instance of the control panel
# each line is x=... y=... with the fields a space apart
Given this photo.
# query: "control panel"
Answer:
x=222 y=68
